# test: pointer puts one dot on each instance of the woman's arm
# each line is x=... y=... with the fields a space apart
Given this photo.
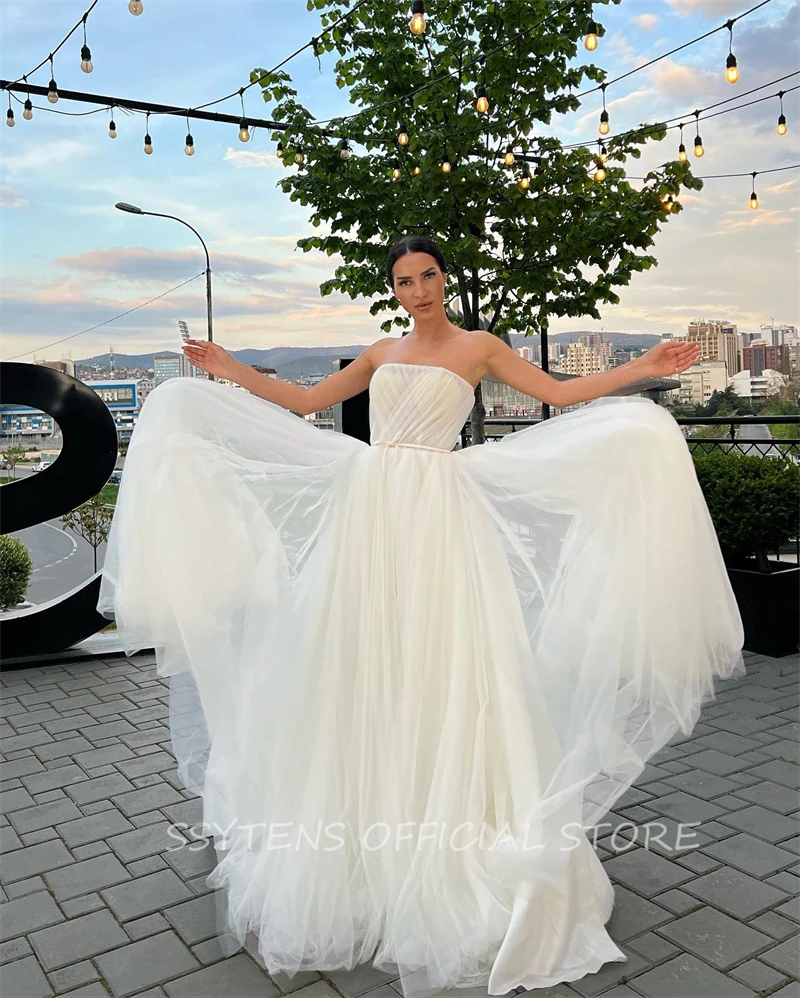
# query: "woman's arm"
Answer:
x=337 y=387
x=508 y=367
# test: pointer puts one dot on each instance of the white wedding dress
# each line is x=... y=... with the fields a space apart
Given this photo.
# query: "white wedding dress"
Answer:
x=405 y=677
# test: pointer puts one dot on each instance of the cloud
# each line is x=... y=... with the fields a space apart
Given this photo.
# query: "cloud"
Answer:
x=48 y=155
x=676 y=80
x=712 y=8
x=244 y=157
x=647 y=22
x=784 y=188
x=10 y=198
x=735 y=221
x=141 y=264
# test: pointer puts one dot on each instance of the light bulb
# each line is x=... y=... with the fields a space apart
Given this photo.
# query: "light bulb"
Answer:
x=279 y=150
x=112 y=129
x=298 y=156
x=753 y=201
x=396 y=173
x=482 y=103
x=148 y=144
x=698 y=147
x=52 y=92
x=417 y=22
x=603 y=155
x=668 y=204
x=590 y=42
x=446 y=166
x=509 y=157
x=189 y=147
x=781 y=124
x=27 y=114
x=600 y=173
x=731 y=69
x=136 y=7
x=463 y=179
x=86 y=59
x=524 y=183
x=682 y=153
x=417 y=169
x=244 y=131
x=10 y=118
x=344 y=149
x=605 y=128
x=402 y=138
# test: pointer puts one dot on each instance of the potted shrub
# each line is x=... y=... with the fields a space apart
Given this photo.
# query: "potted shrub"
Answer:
x=755 y=505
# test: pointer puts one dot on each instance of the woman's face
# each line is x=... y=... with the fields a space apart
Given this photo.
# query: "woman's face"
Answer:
x=417 y=282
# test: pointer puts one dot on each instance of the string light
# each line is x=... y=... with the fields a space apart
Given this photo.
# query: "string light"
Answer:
x=698 y=142
x=344 y=149
x=10 y=114
x=148 y=142
x=27 y=114
x=753 y=195
x=481 y=100
x=298 y=156
x=781 y=129
x=509 y=157
x=244 y=128
x=447 y=166
x=605 y=127
x=86 y=55
x=668 y=203
x=417 y=170
x=731 y=69
x=590 y=42
x=279 y=150
x=189 y=147
x=395 y=169
x=112 y=128
x=402 y=138
x=417 y=22
x=136 y=7
x=602 y=153
x=600 y=172
x=52 y=88
x=682 y=157
x=525 y=180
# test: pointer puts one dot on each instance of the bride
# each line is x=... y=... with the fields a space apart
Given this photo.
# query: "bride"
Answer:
x=408 y=680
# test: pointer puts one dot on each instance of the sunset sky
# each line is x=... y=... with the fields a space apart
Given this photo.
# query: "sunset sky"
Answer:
x=70 y=260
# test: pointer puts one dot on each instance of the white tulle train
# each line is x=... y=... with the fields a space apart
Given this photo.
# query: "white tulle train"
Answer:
x=406 y=679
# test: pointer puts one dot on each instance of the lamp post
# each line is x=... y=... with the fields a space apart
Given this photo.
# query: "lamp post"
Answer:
x=135 y=210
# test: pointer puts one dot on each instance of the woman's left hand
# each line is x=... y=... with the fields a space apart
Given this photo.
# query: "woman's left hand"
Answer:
x=669 y=358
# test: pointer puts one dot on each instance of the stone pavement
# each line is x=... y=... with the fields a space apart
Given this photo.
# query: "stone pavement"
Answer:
x=97 y=901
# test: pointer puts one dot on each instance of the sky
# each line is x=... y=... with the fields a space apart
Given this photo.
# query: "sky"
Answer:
x=70 y=260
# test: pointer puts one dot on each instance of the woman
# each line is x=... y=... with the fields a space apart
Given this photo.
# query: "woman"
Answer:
x=407 y=679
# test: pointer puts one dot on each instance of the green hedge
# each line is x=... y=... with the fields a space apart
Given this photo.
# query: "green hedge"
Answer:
x=15 y=571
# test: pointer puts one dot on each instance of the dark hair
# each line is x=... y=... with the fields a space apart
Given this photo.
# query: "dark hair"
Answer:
x=412 y=244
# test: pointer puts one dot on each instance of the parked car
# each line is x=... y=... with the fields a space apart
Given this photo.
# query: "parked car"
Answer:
x=6 y=465
x=42 y=464
x=116 y=477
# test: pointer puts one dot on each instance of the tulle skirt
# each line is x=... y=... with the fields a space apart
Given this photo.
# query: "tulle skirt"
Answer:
x=406 y=683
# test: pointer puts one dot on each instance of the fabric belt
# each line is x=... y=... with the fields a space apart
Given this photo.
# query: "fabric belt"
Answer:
x=398 y=443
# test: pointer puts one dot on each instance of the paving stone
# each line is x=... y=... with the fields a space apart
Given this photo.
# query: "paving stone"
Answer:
x=41 y=782
x=32 y=860
x=147 y=962
x=13 y=949
x=88 y=875
x=678 y=902
x=713 y=761
x=77 y=939
x=22 y=888
x=155 y=762
x=652 y=947
x=761 y=822
x=197 y=919
x=684 y=807
x=29 y=740
x=734 y=892
x=792 y=844
x=188 y=811
x=141 y=928
x=144 y=866
x=191 y=861
x=211 y=951
x=147 y=894
x=785 y=881
x=82 y=905
x=737 y=724
x=23 y=767
x=99 y=789
x=716 y=938
x=40 y=835
x=59 y=749
x=774 y=925
x=791 y=909
x=147 y=841
x=15 y=800
x=779 y=771
x=111 y=729
x=73 y=976
x=93 y=827
x=758 y=977
x=688 y=977
x=698 y=862
x=632 y=915
x=791 y=990
x=9 y=839
x=716 y=830
x=237 y=975
x=43 y=815
x=702 y=784
x=592 y=984
x=750 y=854
x=97 y=807
x=22 y=915
x=103 y=756
x=668 y=838
x=785 y=956
x=24 y=979
x=645 y=872
x=146 y=737
x=49 y=796
x=146 y=800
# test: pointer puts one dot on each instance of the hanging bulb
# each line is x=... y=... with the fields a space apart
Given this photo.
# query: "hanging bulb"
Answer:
x=753 y=201
x=279 y=150
x=698 y=147
x=603 y=154
x=600 y=172
x=781 y=124
x=10 y=118
x=481 y=102
x=52 y=92
x=524 y=181
x=344 y=149
x=463 y=179
x=668 y=203
x=402 y=138
x=136 y=7
x=27 y=114
x=538 y=171
x=395 y=170
x=112 y=129
x=298 y=156
x=605 y=128
x=417 y=170
x=417 y=22
x=86 y=59
x=731 y=69
x=148 y=144
x=509 y=157
x=590 y=42
x=189 y=147
x=447 y=166
x=682 y=157
x=244 y=131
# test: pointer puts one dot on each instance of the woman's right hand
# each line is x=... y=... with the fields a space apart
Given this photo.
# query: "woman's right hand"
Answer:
x=210 y=357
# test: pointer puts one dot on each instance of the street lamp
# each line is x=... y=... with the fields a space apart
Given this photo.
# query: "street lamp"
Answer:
x=135 y=210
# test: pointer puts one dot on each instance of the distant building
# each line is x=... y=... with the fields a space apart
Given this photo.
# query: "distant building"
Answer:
x=588 y=356
x=174 y=365
x=124 y=398
x=778 y=335
x=66 y=366
x=718 y=341
x=699 y=382
x=759 y=357
x=757 y=386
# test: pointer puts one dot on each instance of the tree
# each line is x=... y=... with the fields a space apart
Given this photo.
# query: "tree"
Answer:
x=516 y=256
x=15 y=453
x=92 y=521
